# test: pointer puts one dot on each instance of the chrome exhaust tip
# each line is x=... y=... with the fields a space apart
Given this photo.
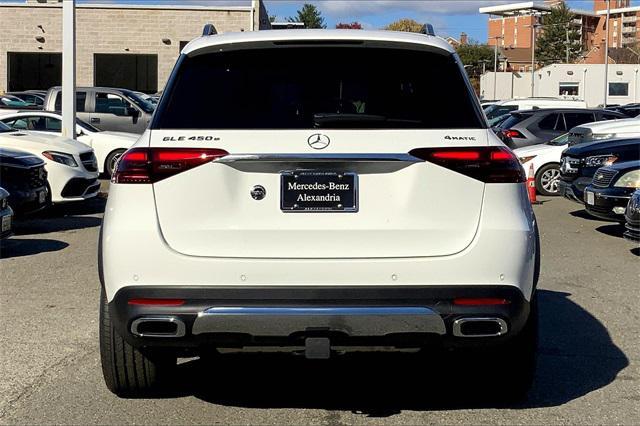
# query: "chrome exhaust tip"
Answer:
x=479 y=327
x=168 y=326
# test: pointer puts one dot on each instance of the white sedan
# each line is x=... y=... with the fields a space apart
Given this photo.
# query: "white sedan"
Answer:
x=71 y=165
x=546 y=163
x=108 y=146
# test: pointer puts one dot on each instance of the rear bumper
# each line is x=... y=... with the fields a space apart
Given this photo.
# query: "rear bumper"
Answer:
x=349 y=316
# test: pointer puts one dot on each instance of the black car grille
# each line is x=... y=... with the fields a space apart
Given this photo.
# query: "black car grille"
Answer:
x=76 y=187
x=89 y=162
x=603 y=177
x=17 y=177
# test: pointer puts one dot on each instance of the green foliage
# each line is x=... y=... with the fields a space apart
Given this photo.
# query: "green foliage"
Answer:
x=310 y=15
x=472 y=56
x=551 y=45
x=408 y=25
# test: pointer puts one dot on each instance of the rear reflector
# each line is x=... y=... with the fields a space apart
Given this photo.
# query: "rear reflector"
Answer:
x=157 y=302
x=491 y=164
x=149 y=165
x=483 y=301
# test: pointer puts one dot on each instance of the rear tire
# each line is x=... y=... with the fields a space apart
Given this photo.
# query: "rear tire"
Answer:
x=547 y=180
x=110 y=162
x=129 y=372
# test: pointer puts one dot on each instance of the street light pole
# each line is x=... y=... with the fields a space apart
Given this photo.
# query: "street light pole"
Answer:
x=534 y=25
x=495 y=65
x=606 y=55
x=69 y=69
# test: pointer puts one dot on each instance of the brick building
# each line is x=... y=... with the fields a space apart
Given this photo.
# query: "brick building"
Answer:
x=511 y=25
x=122 y=45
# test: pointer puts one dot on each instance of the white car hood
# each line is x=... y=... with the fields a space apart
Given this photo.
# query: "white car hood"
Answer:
x=39 y=142
x=528 y=151
x=625 y=125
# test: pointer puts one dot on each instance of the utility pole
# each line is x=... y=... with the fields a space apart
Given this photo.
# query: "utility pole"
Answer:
x=69 y=69
x=534 y=25
x=495 y=65
x=606 y=55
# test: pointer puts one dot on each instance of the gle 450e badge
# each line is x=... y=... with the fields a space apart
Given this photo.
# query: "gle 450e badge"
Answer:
x=189 y=138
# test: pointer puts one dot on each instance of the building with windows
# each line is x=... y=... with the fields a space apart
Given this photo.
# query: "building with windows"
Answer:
x=121 y=45
x=576 y=81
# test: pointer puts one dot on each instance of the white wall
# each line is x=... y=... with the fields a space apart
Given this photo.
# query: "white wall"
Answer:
x=590 y=80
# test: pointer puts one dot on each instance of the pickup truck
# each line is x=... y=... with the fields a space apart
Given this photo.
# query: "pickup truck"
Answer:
x=106 y=108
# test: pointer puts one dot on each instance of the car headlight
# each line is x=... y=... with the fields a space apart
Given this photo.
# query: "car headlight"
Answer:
x=600 y=160
x=601 y=136
x=61 y=157
x=526 y=159
x=629 y=180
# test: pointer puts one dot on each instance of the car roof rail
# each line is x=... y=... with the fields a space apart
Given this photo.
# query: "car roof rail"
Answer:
x=209 y=29
x=427 y=29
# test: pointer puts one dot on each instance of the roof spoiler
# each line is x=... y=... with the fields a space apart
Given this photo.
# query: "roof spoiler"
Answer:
x=428 y=30
x=208 y=30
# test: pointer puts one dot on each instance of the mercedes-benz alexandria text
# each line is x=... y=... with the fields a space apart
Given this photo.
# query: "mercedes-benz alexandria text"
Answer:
x=300 y=190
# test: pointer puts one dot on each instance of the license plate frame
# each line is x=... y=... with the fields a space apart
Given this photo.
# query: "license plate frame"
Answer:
x=348 y=198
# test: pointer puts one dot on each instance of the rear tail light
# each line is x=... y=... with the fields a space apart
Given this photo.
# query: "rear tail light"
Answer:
x=149 y=165
x=510 y=133
x=492 y=164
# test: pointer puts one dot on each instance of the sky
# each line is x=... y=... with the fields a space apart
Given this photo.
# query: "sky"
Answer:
x=449 y=17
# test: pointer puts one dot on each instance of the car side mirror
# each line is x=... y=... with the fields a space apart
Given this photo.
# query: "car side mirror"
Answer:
x=132 y=112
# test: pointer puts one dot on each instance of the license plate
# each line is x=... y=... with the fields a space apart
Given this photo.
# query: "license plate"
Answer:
x=42 y=196
x=318 y=191
x=591 y=199
x=6 y=223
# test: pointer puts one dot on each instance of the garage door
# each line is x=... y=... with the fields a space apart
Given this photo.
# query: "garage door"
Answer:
x=33 y=71
x=127 y=71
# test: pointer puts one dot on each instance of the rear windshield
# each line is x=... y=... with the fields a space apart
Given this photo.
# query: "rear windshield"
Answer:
x=495 y=111
x=318 y=87
x=513 y=120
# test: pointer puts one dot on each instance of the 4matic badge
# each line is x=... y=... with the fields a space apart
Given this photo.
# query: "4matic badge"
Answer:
x=460 y=138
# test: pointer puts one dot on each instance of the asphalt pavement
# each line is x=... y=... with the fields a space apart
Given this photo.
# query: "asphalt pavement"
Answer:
x=588 y=369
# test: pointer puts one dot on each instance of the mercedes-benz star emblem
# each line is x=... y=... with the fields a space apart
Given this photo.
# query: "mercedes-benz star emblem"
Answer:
x=318 y=141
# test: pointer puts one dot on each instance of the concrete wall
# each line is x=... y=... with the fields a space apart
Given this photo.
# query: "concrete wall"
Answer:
x=548 y=79
x=109 y=29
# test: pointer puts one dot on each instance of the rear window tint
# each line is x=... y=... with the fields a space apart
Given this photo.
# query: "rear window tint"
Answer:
x=318 y=87
x=513 y=120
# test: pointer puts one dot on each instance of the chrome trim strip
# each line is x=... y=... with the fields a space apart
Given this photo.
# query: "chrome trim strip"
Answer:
x=233 y=158
x=284 y=320
x=180 y=327
x=457 y=327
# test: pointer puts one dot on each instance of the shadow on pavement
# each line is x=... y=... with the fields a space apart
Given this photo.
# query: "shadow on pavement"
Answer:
x=63 y=217
x=582 y=214
x=577 y=357
x=613 y=230
x=635 y=251
x=24 y=247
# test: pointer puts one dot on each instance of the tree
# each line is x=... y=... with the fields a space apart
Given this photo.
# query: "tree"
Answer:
x=408 y=25
x=559 y=37
x=352 y=26
x=473 y=55
x=310 y=15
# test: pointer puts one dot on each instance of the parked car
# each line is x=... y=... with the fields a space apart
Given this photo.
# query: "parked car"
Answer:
x=609 y=193
x=30 y=97
x=317 y=218
x=118 y=110
x=502 y=108
x=632 y=217
x=108 y=146
x=546 y=163
x=593 y=132
x=579 y=163
x=630 y=110
x=71 y=165
x=23 y=175
x=533 y=127
x=10 y=104
x=6 y=213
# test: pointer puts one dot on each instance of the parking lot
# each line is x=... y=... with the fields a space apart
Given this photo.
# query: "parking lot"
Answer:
x=588 y=368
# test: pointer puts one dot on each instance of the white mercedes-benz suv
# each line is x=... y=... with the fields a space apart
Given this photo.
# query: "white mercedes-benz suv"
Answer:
x=317 y=191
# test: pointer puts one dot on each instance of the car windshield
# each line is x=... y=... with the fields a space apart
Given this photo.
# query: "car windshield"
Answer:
x=145 y=105
x=318 y=87
x=495 y=111
x=12 y=101
x=87 y=126
x=560 y=140
x=4 y=128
